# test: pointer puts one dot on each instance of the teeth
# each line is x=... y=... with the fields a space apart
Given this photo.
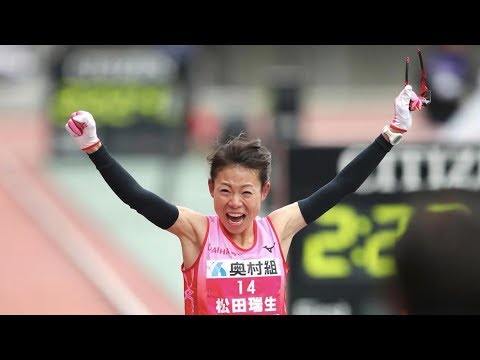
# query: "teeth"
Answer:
x=235 y=215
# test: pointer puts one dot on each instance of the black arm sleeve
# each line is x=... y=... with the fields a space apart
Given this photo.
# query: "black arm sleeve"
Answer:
x=346 y=182
x=153 y=207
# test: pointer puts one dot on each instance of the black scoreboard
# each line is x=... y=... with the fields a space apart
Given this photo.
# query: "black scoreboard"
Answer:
x=343 y=262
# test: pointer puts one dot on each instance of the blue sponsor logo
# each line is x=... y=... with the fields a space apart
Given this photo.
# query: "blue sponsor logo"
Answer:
x=218 y=270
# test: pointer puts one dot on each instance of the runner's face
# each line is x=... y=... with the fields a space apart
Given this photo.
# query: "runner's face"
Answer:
x=237 y=196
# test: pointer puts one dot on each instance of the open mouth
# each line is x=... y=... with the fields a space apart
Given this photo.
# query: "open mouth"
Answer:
x=236 y=219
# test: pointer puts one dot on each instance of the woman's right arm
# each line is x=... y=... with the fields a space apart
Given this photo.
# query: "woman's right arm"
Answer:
x=153 y=207
x=82 y=127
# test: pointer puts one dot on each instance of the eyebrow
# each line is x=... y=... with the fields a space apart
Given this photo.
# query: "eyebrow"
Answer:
x=242 y=186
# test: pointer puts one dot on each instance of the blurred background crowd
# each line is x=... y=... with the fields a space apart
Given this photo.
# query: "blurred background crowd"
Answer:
x=70 y=246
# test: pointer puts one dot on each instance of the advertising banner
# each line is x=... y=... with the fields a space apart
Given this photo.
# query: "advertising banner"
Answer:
x=135 y=94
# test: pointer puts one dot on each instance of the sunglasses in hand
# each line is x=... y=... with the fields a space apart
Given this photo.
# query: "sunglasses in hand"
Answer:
x=425 y=93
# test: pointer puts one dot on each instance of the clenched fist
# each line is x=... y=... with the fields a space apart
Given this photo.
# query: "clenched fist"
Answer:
x=405 y=102
x=82 y=128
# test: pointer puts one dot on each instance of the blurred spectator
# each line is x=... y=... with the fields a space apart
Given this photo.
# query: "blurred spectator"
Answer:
x=438 y=261
x=451 y=78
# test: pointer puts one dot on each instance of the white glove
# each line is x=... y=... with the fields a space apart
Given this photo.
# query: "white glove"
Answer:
x=82 y=128
x=405 y=102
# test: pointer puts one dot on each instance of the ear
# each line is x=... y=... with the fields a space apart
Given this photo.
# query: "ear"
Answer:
x=210 y=186
x=265 y=190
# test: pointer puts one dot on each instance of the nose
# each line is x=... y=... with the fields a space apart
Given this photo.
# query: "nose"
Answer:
x=235 y=201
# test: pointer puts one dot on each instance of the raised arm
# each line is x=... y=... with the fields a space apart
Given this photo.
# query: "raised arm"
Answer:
x=82 y=127
x=357 y=171
x=292 y=218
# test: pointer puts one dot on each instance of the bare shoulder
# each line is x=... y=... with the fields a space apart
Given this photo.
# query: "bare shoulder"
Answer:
x=190 y=225
x=287 y=220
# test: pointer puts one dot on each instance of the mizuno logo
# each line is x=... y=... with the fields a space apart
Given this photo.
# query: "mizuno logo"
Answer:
x=269 y=248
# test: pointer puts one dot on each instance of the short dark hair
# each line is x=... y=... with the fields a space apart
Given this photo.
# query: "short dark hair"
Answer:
x=240 y=150
x=438 y=261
